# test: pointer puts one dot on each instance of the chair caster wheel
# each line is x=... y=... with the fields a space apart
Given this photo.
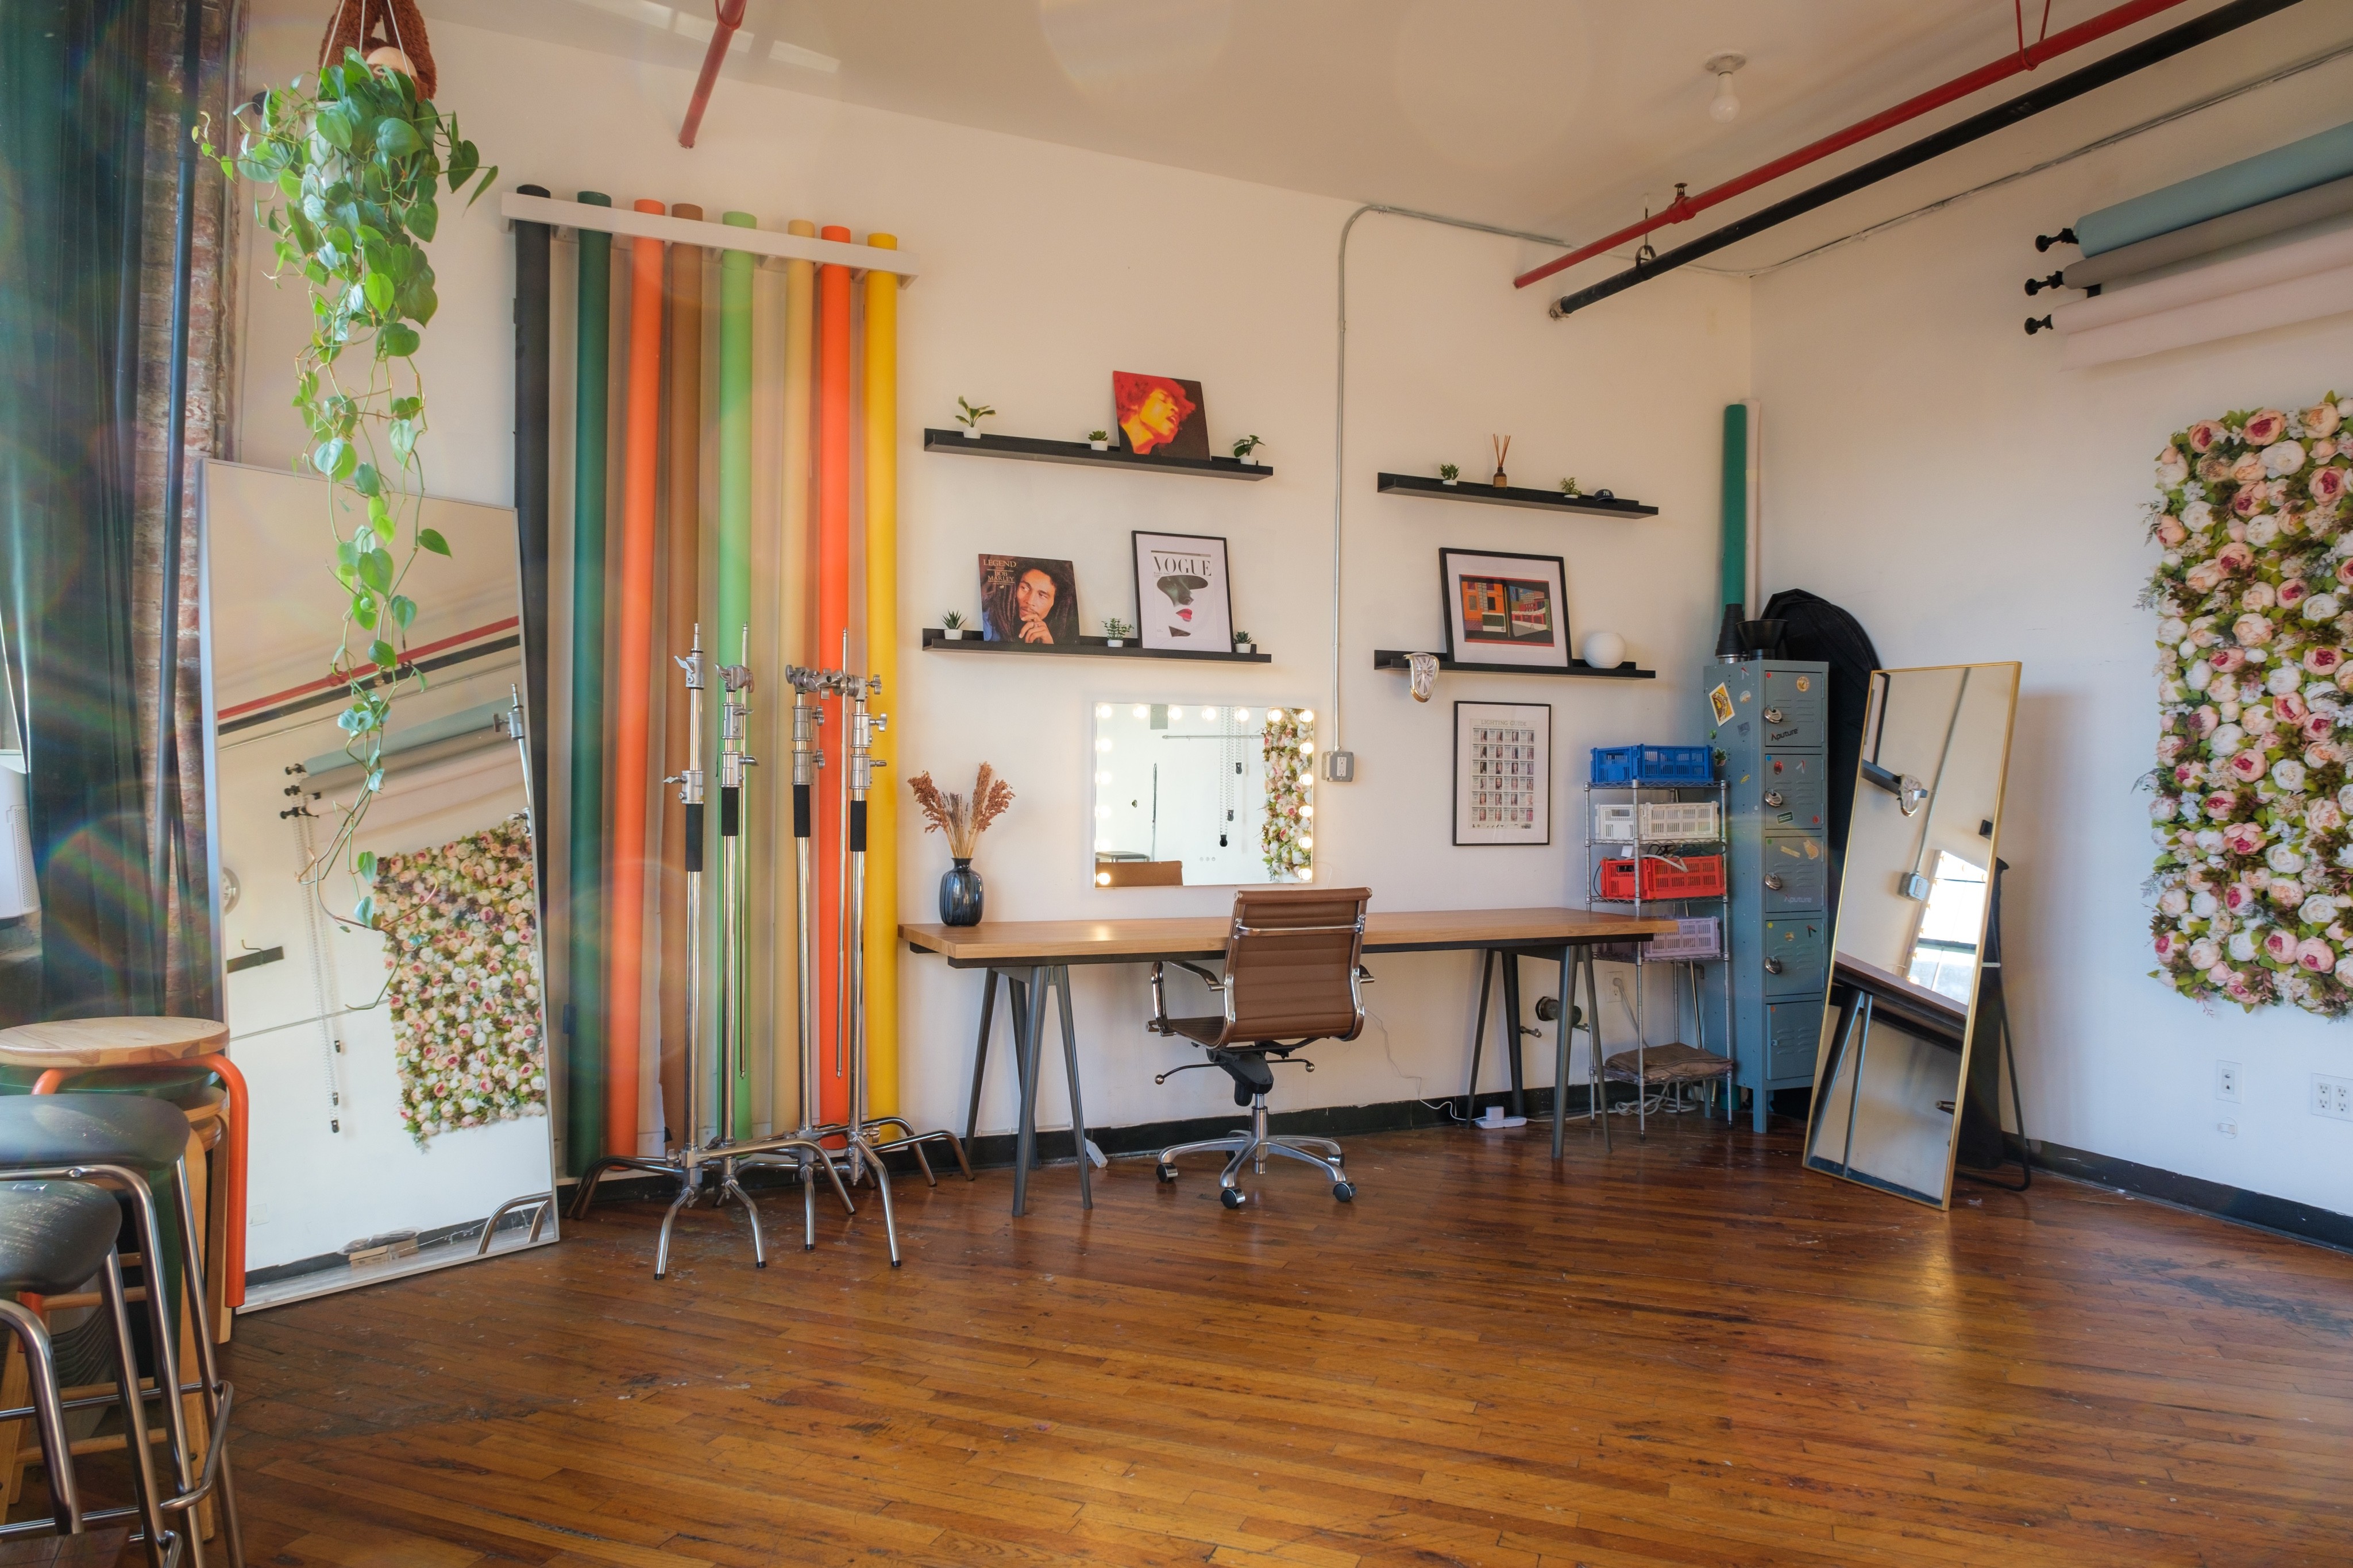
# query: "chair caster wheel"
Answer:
x=1230 y=1197
x=1164 y=1174
x=1344 y=1191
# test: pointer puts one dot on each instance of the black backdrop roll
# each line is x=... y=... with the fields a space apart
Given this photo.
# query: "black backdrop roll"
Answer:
x=72 y=137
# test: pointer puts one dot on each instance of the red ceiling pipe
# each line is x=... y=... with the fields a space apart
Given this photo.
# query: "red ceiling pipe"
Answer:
x=2025 y=59
x=730 y=17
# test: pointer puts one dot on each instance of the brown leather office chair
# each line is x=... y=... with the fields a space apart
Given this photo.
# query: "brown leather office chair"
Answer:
x=1293 y=976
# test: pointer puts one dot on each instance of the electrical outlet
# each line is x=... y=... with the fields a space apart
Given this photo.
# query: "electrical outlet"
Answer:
x=2226 y=1081
x=2227 y=1129
x=2332 y=1097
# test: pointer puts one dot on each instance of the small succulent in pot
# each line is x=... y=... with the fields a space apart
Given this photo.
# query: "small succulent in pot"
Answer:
x=1116 y=632
x=1568 y=487
x=1246 y=447
x=1245 y=643
x=953 y=623
x=972 y=414
x=1099 y=439
x=1448 y=472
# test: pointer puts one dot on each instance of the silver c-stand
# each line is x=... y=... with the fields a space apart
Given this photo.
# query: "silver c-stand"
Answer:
x=724 y=1154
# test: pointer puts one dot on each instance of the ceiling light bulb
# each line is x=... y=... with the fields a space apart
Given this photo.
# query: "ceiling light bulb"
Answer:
x=1726 y=103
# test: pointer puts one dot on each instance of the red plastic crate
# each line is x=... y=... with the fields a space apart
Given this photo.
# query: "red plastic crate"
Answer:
x=1663 y=878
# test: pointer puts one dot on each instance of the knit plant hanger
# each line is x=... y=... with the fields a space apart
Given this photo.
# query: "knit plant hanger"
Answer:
x=385 y=33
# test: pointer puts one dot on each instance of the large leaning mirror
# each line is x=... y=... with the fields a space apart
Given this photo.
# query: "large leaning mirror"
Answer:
x=1916 y=892
x=399 y=1073
x=1201 y=794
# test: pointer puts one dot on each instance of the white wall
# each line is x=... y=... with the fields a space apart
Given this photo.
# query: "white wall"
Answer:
x=1931 y=468
x=1045 y=268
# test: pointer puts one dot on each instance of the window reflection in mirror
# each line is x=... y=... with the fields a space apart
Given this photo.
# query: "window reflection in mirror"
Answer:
x=1201 y=794
x=1944 y=952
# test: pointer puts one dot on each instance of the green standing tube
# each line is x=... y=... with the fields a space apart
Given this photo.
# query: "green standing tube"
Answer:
x=584 y=1115
x=1735 y=504
x=735 y=274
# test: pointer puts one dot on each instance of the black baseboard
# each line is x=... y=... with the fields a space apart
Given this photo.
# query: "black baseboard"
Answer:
x=994 y=1150
x=2260 y=1211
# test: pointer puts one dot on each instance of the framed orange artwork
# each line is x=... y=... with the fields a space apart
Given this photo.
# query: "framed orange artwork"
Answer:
x=1158 y=415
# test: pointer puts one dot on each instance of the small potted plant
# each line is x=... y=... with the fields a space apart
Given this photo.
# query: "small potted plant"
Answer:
x=1246 y=449
x=1569 y=490
x=1099 y=439
x=963 y=821
x=1448 y=472
x=1245 y=643
x=953 y=627
x=1116 y=632
x=973 y=413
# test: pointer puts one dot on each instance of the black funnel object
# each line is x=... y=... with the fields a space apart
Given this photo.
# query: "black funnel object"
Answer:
x=1761 y=639
x=1728 y=639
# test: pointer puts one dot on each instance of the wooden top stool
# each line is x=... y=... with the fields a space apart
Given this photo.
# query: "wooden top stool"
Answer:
x=64 y=1048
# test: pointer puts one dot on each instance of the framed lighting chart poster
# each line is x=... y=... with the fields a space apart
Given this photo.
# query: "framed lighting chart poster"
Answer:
x=1502 y=773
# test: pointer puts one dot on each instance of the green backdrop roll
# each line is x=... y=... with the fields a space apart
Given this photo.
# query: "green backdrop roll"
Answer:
x=735 y=274
x=2283 y=171
x=583 y=1104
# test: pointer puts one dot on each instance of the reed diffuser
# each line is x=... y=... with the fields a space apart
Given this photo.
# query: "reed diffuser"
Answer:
x=964 y=819
x=1503 y=450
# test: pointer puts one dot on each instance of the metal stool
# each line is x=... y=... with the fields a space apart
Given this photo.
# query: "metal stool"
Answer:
x=112 y=1139
x=53 y=1237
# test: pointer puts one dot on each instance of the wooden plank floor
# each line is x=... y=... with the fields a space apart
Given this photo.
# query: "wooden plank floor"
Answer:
x=1689 y=1353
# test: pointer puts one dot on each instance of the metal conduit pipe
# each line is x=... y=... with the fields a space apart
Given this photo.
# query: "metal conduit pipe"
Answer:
x=2028 y=57
x=2122 y=63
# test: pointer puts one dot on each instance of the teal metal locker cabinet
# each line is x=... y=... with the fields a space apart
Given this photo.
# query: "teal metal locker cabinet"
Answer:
x=1768 y=719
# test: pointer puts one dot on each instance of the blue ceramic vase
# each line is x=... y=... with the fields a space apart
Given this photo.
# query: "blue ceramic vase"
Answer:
x=960 y=896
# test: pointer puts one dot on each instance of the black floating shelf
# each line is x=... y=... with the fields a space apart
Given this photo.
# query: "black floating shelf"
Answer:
x=1030 y=450
x=1511 y=495
x=1085 y=647
x=1394 y=659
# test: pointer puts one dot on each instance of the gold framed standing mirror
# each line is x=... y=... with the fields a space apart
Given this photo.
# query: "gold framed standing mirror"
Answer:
x=398 y=1072
x=1909 y=944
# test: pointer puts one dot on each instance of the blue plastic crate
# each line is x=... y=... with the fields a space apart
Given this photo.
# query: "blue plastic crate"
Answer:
x=1653 y=766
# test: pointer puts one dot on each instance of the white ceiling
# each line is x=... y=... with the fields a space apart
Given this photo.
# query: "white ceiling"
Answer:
x=1563 y=117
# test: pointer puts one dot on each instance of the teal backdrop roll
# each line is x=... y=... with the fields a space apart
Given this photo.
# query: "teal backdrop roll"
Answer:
x=584 y=1053
x=2283 y=171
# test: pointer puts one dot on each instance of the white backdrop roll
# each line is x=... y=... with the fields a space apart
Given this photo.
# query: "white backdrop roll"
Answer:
x=2278 y=305
x=2300 y=258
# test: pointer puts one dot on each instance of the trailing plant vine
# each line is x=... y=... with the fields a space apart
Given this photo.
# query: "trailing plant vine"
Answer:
x=354 y=161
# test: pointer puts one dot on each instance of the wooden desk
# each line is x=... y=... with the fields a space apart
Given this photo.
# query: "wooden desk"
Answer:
x=1036 y=956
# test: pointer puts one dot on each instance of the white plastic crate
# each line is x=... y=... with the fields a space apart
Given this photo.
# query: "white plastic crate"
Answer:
x=1693 y=938
x=1663 y=821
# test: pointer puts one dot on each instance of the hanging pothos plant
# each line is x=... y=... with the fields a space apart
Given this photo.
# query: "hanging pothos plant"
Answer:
x=356 y=162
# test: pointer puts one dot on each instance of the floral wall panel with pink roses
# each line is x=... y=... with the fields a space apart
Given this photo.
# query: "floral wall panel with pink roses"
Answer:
x=460 y=923
x=2255 y=591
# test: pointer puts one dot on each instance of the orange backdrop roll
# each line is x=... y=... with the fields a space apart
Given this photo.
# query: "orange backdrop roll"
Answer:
x=832 y=622
x=633 y=673
x=683 y=569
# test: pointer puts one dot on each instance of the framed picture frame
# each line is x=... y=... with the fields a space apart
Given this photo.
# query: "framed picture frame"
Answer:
x=1159 y=415
x=1184 y=596
x=1502 y=607
x=1503 y=773
x=1028 y=598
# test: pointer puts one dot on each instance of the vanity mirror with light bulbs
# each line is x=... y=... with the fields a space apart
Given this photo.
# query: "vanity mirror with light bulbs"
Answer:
x=1201 y=794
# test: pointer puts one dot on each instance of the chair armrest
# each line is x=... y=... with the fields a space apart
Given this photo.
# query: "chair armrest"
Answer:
x=1365 y=976
x=1158 y=1022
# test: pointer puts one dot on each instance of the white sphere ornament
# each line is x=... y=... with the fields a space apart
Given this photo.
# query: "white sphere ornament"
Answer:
x=1604 y=650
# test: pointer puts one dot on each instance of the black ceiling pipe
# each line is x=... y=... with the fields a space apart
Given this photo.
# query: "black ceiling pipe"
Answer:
x=2122 y=63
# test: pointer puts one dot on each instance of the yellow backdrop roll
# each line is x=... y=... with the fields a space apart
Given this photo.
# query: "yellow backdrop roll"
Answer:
x=882 y=659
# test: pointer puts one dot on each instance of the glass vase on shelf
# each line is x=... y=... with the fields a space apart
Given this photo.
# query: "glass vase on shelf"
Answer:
x=960 y=895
